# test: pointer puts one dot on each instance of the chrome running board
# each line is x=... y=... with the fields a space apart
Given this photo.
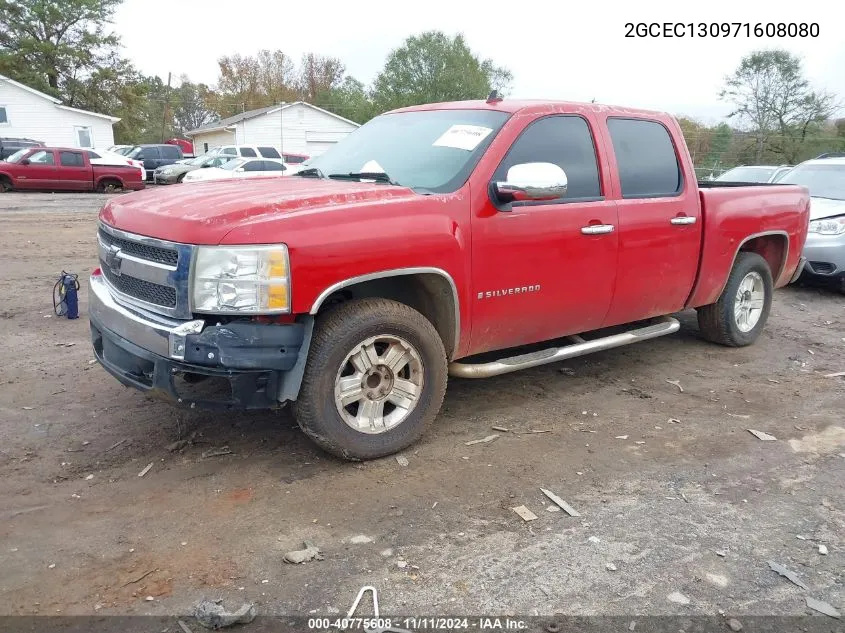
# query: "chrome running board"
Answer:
x=664 y=326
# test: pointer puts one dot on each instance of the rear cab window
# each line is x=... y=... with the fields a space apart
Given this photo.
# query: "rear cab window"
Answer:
x=646 y=159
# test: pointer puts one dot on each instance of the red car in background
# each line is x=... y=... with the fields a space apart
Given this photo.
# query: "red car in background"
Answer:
x=186 y=146
x=65 y=169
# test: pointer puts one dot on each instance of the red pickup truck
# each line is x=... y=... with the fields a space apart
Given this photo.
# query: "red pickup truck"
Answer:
x=65 y=169
x=468 y=239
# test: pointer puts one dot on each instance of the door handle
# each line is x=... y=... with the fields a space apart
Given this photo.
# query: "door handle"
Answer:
x=682 y=220
x=597 y=229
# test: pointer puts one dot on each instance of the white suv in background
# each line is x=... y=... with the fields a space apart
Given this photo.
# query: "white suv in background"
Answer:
x=245 y=151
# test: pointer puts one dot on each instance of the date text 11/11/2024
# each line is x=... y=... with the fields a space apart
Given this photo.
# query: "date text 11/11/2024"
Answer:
x=721 y=29
x=417 y=624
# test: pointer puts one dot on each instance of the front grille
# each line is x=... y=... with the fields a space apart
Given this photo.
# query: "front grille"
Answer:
x=822 y=268
x=144 y=251
x=147 y=291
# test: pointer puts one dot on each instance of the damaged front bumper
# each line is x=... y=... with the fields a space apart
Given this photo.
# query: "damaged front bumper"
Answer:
x=239 y=365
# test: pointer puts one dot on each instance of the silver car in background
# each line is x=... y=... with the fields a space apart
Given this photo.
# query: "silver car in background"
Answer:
x=754 y=173
x=825 y=246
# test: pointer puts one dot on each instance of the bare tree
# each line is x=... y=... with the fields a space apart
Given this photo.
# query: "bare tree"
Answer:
x=772 y=97
x=319 y=75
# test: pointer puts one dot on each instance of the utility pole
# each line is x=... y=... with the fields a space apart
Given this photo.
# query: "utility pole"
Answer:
x=281 y=129
x=166 y=108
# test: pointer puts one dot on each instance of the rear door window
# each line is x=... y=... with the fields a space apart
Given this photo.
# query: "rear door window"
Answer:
x=270 y=165
x=71 y=159
x=269 y=152
x=248 y=152
x=170 y=152
x=254 y=165
x=646 y=159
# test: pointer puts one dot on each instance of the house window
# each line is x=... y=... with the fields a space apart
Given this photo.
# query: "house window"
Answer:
x=84 y=137
x=205 y=147
x=4 y=118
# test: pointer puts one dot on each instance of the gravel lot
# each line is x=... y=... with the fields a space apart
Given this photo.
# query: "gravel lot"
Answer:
x=675 y=495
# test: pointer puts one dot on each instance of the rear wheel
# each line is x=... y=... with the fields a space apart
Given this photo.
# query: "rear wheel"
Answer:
x=375 y=378
x=5 y=185
x=740 y=314
x=108 y=185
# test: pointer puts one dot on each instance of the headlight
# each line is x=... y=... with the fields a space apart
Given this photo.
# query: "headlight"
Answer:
x=828 y=226
x=242 y=280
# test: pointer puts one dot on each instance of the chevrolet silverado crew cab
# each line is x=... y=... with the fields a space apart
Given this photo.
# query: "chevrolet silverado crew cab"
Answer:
x=468 y=239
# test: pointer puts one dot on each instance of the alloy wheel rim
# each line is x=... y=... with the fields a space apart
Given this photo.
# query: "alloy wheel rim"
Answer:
x=749 y=303
x=379 y=384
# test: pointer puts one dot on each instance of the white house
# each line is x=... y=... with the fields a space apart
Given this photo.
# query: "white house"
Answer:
x=28 y=113
x=296 y=128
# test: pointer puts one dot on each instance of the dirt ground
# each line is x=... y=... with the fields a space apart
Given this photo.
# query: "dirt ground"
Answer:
x=675 y=495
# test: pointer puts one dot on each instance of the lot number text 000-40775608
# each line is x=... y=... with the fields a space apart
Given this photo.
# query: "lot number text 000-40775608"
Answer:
x=721 y=29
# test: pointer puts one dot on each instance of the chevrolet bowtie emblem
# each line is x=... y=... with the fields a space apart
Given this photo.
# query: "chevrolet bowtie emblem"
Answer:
x=114 y=260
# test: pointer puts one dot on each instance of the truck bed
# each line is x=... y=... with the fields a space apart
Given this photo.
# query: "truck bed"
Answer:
x=737 y=213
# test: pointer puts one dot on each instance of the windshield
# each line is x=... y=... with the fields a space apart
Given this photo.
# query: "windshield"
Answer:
x=823 y=181
x=747 y=174
x=432 y=150
x=14 y=158
x=232 y=165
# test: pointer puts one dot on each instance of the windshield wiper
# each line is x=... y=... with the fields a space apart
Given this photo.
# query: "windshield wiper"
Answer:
x=311 y=171
x=378 y=176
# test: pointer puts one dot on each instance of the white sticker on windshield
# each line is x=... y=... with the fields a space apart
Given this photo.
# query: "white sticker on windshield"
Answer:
x=372 y=167
x=463 y=137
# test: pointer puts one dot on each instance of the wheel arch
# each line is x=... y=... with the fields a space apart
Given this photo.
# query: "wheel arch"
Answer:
x=773 y=246
x=430 y=291
x=109 y=178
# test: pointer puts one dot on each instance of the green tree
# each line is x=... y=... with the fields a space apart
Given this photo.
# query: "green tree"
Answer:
x=433 y=67
x=775 y=101
x=192 y=105
x=349 y=100
x=54 y=45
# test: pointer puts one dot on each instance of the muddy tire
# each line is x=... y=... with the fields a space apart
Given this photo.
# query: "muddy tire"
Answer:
x=375 y=378
x=740 y=314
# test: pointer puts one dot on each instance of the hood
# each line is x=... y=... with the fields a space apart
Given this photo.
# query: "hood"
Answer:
x=176 y=168
x=204 y=212
x=826 y=208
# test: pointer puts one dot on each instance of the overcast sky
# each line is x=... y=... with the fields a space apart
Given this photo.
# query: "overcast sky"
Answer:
x=555 y=49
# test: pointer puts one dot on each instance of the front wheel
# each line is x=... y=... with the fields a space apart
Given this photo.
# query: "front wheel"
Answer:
x=375 y=378
x=739 y=315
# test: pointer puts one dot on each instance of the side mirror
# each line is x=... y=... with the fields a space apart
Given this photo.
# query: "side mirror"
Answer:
x=532 y=181
x=25 y=161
